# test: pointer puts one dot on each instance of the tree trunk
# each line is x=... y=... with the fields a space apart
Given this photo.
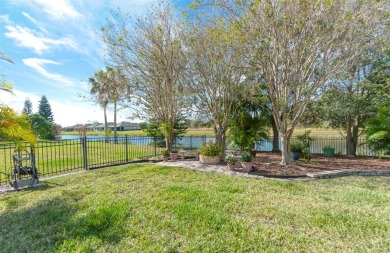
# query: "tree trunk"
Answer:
x=105 y=122
x=350 y=145
x=168 y=132
x=115 y=130
x=286 y=156
x=220 y=137
x=168 y=143
x=275 y=140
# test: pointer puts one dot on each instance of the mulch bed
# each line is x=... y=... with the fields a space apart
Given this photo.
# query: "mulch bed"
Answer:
x=268 y=164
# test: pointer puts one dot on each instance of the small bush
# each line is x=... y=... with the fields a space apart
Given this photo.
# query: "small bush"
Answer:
x=165 y=152
x=210 y=149
x=231 y=160
x=246 y=157
x=296 y=147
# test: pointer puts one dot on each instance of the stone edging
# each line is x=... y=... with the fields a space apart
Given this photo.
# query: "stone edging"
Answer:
x=342 y=173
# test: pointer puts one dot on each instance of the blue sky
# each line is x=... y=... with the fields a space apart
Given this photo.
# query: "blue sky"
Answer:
x=56 y=47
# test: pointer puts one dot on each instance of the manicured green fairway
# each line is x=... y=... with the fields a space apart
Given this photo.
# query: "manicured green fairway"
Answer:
x=150 y=208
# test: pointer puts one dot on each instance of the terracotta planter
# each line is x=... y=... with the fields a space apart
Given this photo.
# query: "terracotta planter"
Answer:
x=174 y=156
x=209 y=159
x=230 y=166
x=165 y=158
x=247 y=166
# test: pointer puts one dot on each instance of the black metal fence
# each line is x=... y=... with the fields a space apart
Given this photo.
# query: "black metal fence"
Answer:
x=58 y=157
x=318 y=143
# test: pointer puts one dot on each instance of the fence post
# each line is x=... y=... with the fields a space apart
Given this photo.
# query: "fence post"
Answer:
x=127 y=149
x=85 y=153
x=32 y=157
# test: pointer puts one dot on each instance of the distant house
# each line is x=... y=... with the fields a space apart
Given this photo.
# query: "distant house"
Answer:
x=120 y=126
x=89 y=127
x=72 y=128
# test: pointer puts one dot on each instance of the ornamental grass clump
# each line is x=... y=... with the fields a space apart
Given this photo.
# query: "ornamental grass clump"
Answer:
x=210 y=149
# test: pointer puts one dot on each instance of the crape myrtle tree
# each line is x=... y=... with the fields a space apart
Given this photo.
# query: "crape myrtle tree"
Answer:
x=215 y=76
x=44 y=109
x=151 y=55
x=299 y=46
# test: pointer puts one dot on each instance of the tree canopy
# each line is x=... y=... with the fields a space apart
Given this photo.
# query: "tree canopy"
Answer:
x=27 y=109
x=44 y=109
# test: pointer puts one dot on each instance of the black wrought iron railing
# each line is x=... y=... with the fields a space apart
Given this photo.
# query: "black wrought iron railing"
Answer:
x=64 y=156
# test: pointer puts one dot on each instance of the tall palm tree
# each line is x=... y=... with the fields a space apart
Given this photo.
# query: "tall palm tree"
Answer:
x=100 y=89
x=118 y=88
x=109 y=86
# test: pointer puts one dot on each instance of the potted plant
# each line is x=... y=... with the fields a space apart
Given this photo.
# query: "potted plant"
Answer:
x=328 y=151
x=296 y=150
x=165 y=155
x=231 y=162
x=174 y=154
x=246 y=161
x=209 y=153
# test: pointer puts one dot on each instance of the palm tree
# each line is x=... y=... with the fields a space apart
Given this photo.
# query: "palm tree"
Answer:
x=13 y=127
x=117 y=89
x=100 y=89
x=4 y=84
x=108 y=86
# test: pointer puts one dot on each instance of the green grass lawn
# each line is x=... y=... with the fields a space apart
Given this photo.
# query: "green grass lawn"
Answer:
x=58 y=157
x=190 y=132
x=150 y=208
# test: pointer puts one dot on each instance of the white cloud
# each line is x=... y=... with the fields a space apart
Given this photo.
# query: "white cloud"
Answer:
x=5 y=19
x=38 y=42
x=39 y=66
x=58 y=9
x=35 y=22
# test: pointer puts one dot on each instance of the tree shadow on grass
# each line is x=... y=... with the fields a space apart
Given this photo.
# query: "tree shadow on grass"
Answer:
x=36 y=228
x=58 y=224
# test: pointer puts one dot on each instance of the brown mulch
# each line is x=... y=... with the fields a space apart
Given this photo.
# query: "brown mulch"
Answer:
x=268 y=164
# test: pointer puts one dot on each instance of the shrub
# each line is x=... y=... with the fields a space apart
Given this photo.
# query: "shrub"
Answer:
x=231 y=160
x=296 y=147
x=246 y=157
x=210 y=149
x=165 y=152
